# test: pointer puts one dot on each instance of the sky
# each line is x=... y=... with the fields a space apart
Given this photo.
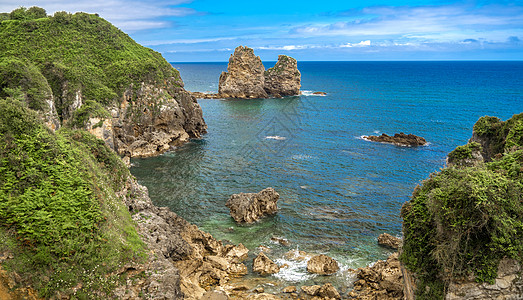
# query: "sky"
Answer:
x=209 y=30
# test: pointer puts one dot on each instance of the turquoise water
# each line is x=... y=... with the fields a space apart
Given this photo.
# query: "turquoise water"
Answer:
x=338 y=192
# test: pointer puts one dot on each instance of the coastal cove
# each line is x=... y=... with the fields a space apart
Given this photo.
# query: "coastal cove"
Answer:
x=338 y=192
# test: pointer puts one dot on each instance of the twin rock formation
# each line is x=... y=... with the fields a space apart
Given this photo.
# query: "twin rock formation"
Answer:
x=246 y=77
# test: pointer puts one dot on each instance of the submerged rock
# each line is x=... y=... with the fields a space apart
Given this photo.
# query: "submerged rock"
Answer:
x=244 y=77
x=264 y=265
x=400 y=139
x=322 y=264
x=250 y=207
x=283 y=79
x=388 y=240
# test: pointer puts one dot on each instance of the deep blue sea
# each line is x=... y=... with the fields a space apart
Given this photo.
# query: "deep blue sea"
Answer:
x=338 y=192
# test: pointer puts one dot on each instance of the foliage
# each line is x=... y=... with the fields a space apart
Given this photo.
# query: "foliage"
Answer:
x=59 y=211
x=82 y=52
x=464 y=152
x=90 y=109
x=17 y=73
x=500 y=136
x=463 y=221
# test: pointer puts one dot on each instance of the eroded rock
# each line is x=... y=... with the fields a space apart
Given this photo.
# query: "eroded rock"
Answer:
x=322 y=264
x=250 y=207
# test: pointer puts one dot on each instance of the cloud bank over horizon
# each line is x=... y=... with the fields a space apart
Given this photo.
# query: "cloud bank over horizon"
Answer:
x=203 y=30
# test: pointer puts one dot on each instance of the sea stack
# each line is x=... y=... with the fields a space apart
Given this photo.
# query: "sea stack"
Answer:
x=246 y=77
x=283 y=79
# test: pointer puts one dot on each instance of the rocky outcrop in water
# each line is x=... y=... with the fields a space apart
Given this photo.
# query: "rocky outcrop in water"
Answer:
x=264 y=265
x=250 y=207
x=246 y=77
x=323 y=265
x=327 y=291
x=388 y=240
x=384 y=280
x=283 y=79
x=399 y=139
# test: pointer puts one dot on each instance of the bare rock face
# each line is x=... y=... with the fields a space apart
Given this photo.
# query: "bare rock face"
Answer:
x=283 y=79
x=264 y=265
x=250 y=207
x=390 y=241
x=384 y=280
x=244 y=77
x=322 y=264
x=400 y=139
x=156 y=120
x=508 y=285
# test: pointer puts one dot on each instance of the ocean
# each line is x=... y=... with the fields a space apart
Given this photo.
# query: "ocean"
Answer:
x=338 y=192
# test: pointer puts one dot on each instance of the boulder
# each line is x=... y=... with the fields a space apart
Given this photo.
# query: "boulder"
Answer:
x=311 y=290
x=322 y=264
x=384 y=280
x=250 y=207
x=244 y=77
x=399 y=139
x=290 y=289
x=264 y=265
x=388 y=240
x=328 y=291
x=284 y=78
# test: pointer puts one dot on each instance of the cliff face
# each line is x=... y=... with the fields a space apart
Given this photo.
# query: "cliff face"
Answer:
x=246 y=77
x=79 y=71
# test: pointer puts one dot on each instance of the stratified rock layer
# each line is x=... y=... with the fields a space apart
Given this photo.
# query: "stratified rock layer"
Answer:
x=400 y=139
x=244 y=77
x=250 y=207
x=283 y=79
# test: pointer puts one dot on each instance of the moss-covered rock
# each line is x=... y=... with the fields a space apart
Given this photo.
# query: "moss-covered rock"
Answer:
x=462 y=222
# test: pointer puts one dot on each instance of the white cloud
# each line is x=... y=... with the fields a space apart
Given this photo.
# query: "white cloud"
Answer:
x=360 y=44
x=127 y=15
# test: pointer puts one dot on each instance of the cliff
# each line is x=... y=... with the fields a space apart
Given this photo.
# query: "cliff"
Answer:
x=246 y=77
x=79 y=71
x=464 y=225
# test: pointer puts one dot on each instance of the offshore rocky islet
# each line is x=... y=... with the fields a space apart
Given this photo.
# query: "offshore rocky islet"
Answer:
x=202 y=260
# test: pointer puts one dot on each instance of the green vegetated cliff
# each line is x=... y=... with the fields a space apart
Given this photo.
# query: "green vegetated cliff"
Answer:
x=464 y=219
x=65 y=62
x=63 y=225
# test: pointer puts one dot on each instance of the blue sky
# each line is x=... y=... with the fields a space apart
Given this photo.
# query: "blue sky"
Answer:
x=209 y=30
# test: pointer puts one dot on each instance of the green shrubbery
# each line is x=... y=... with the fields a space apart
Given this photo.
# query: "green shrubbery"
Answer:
x=75 y=52
x=463 y=221
x=58 y=209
